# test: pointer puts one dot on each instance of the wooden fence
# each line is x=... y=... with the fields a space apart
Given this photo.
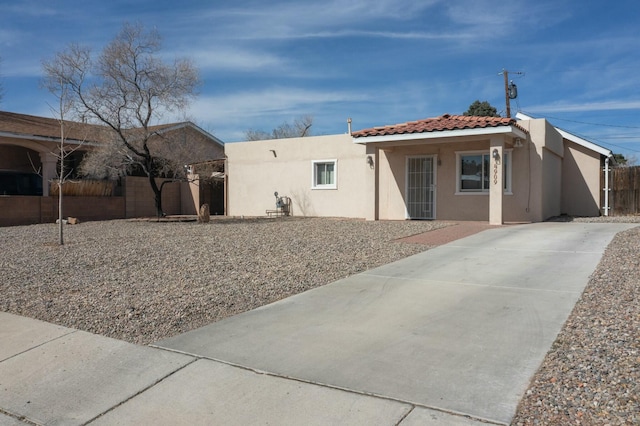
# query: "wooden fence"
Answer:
x=625 y=189
x=83 y=188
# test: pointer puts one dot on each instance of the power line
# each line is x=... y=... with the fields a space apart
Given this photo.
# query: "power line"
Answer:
x=591 y=138
x=618 y=137
x=586 y=122
x=626 y=148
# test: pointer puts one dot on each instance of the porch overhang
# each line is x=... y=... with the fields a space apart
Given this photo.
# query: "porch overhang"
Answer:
x=513 y=131
x=37 y=138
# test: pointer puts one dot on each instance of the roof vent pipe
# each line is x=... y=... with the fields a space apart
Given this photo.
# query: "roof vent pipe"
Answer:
x=349 y=125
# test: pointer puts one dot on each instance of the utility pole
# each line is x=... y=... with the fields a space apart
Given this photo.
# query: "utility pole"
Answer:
x=505 y=73
x=510 y=90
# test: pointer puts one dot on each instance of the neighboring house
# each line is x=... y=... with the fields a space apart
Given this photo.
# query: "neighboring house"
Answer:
x=28 y=153
x=449 y=167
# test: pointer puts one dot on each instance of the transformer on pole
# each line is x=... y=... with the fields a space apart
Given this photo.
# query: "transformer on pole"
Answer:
x=510 y=90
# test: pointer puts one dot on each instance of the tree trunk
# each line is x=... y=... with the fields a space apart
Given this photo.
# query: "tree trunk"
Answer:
x=60 y=182
x=157 y=195
x=60 y=215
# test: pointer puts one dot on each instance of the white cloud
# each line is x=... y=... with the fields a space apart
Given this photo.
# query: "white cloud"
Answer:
x=27 y=8
x=415 y=35
x=20 y=68
x=276 y=100
x=229 y=115
x=292 y=20
x=491 y=18
x=217 y=58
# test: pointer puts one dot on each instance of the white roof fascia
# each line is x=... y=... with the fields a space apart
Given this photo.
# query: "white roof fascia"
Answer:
x=522 y=116
x=573 y=138
x=585 y=143
x=438 y=134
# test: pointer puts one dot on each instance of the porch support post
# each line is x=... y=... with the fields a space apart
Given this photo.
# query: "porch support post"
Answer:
x=49 y=162
x=496 y=179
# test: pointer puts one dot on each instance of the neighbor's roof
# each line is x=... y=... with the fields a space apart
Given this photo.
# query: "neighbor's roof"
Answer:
x=33 y=127
x=166 y=128
x=445 y=122
x=12 y=124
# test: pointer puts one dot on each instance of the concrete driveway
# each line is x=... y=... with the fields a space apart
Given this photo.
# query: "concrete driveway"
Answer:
x=456 y=331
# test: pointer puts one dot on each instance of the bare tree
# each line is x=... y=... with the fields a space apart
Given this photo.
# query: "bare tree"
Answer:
x=301 y=127
x=128 y=88
x=60 y=90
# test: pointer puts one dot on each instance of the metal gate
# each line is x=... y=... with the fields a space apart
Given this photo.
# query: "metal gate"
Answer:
x=421 y=187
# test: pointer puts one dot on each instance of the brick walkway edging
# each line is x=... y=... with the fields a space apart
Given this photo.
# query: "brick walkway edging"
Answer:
x=448 y=234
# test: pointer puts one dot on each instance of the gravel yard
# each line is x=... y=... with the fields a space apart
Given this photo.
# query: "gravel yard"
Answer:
x=591 y=375
x=142 y=282
x=145 y=281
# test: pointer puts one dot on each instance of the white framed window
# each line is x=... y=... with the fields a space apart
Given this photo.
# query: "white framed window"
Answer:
x=473 y=172
x=324 y=174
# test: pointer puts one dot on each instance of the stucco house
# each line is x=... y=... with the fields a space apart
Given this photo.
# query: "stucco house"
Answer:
x=449 y=167
x=28 y=163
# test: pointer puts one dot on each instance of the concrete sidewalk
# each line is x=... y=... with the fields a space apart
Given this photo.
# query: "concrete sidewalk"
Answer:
x=52 y=375
x=450 y=336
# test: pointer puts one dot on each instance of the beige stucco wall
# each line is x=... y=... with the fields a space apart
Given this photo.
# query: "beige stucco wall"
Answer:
x=552 y=155
x=546 y=149
x=538 y=180
x=581 y=181
x=391 y=184
x=552 y=185
x=449 y=205
x=190 y=195
x=518 y=205
x=255 y=173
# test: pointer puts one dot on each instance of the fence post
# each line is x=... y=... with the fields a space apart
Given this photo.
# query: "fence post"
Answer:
x=606 y=186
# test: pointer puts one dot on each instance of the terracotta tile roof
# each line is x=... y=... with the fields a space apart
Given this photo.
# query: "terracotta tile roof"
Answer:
x=438 y=124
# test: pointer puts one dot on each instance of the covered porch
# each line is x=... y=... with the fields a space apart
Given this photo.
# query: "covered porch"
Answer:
x=454 y=168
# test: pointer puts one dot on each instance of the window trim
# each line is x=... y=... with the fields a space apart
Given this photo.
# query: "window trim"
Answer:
x=507 y=153
x=314 y=174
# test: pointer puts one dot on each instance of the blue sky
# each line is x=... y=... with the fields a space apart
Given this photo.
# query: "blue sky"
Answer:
x=378 y=62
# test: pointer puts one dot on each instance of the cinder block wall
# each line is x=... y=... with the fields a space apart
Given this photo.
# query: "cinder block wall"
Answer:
x=137 y=202
x=90 y=208
x=19 y=210
x=140 y=199
x=27 y=210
